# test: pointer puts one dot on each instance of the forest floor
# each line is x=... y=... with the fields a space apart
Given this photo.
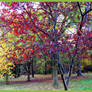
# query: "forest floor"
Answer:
x=44 y=82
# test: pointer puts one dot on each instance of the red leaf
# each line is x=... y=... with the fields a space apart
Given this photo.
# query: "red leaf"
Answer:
x=14 y=54
x=25 y=56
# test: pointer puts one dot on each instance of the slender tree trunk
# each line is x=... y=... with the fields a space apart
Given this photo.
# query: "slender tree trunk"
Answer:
x=6 y=79
x=32 y=69
x=28 y=72
x=79 y=73
x=54 y=71
x=18 y=70
x=62 y=76
x=28 y=77
x=45 y=68
x=55 y=77
x=61 y=70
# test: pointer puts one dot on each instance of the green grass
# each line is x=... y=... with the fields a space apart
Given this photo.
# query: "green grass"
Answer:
x=81 y=84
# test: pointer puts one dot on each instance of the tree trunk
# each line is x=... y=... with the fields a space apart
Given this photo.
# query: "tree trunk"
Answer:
x=61 y=70
x=55 y=77
x=28 y=77
x=79 y=73
x=28 y=71
x=6 y=79
x=62 y=76
x=18 y=74
x=45 y=68
x=32 y=69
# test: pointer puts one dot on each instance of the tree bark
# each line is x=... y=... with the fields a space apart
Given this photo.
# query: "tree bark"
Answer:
x=55 y=76
x=54 y=71
x=62 y=76
x=6 y=79
x=61 y=70
x=18 y=74
x=45 y=68
x=32 y=69
x=28 y=71
x=79 y=73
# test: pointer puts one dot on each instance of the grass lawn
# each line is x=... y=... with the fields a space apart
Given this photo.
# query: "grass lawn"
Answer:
x=42 y=82
x=42 y=91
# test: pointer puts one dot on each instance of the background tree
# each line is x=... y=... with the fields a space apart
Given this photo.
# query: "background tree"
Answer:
x=5 y=64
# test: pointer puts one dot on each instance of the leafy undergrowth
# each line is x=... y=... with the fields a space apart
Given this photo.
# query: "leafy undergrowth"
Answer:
x=44 y=82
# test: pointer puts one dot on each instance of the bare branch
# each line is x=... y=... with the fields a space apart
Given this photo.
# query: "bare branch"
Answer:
x=79 y=8
x=87 y=12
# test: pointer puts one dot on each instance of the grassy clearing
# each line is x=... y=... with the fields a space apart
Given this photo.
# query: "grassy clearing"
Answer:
x=80 y=83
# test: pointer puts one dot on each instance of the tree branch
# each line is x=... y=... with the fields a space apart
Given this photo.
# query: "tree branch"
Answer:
x=87 y=12
x=79 y=8
x=39 y=29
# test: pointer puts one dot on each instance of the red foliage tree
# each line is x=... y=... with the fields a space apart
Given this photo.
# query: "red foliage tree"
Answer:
x=43 y=22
